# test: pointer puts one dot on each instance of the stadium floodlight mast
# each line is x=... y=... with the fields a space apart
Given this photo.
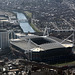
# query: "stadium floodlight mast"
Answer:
x=73 y=38
x=46 y=32
x=28 y=52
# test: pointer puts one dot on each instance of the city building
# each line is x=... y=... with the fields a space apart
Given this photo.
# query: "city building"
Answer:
x=4 y=39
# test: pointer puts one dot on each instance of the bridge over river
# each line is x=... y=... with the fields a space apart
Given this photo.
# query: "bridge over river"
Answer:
x=23 y=21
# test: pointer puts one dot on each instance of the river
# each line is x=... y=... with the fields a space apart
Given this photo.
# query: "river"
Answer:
x=24 y=25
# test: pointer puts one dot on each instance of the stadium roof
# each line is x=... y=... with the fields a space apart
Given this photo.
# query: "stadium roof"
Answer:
x=37 y=43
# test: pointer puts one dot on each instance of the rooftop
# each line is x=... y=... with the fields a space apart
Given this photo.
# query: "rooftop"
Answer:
x=37 y=43
x=3 y=30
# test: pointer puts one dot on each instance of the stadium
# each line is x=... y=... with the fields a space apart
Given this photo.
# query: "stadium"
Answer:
x=43 y=49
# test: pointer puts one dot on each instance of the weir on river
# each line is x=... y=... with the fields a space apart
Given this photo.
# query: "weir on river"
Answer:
x=24 y=25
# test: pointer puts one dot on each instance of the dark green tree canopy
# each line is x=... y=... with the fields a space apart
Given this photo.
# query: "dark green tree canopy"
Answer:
x=59 y=1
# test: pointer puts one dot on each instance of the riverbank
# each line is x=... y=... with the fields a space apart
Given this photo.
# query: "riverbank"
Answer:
x=29 y=17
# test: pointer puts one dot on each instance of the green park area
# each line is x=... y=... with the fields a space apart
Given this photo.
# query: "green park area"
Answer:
x=29 y=16
x=65 y=64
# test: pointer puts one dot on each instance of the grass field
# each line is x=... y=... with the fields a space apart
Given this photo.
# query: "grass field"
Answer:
x=65 y=64
x=28 y=14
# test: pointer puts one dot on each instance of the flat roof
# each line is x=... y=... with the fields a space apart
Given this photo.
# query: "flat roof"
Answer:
x=3 y=30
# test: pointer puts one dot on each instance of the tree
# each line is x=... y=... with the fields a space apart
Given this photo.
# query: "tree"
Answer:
x=59 y=1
